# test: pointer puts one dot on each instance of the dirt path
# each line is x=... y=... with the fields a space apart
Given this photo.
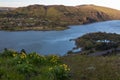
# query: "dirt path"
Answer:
x=103 y=53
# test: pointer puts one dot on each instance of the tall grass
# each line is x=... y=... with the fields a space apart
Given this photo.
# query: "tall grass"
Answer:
x=93 y=68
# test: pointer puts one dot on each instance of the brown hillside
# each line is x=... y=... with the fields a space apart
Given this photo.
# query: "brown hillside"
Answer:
x=57 y=16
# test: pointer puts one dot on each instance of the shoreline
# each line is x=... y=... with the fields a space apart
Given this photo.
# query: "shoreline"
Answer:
x=47 y=28
x=36 y=29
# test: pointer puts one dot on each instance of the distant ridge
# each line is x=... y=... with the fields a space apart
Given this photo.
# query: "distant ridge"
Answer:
x=52 y=16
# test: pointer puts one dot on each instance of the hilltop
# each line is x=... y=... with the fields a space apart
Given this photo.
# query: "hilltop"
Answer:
x=54 y=17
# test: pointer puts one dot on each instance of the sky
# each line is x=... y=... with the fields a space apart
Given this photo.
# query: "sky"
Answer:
x=19 y=3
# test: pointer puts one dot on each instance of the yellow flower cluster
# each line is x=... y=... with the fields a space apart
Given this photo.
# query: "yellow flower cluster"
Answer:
x=34 y=55
x=42 y=58
x=14 y=54
x=65 y=67
x=54 y=59
x=37 y=56
x=23 y=55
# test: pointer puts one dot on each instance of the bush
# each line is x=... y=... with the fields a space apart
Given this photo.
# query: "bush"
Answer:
x=23 y=66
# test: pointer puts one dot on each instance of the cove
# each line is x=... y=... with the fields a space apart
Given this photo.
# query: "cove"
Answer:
x=53 y=42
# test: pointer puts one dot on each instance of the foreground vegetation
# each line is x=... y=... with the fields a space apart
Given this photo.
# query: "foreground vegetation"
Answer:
x=93 y=68
x=22 y=66
x=54 y=17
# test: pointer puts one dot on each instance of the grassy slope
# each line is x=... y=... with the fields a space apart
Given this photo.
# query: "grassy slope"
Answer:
x=93 y=68
x=113 y=13
x=110 y=12
x=21 y=66
x=69 y=13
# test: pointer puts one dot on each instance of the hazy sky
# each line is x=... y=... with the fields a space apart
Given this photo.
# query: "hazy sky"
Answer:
x=18 y=3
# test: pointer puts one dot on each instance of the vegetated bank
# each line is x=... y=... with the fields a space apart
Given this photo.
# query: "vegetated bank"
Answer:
x=99 y=42
x=54 y=17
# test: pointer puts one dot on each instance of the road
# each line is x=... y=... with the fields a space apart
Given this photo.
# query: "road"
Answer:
x=103 y=53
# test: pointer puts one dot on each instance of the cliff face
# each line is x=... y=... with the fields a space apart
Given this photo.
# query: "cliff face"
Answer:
x=59 y=15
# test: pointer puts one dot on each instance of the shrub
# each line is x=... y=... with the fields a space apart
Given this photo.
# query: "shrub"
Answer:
x=60 y=72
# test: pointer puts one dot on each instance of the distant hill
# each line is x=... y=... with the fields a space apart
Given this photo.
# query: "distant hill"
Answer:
x=41 y=17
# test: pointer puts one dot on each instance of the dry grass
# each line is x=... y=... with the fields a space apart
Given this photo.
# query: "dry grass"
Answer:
x=93 y=68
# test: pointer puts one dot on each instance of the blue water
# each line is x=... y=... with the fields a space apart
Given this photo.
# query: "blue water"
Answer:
x=53 y=42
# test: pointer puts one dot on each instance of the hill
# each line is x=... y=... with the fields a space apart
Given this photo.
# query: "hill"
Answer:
x=41 y=17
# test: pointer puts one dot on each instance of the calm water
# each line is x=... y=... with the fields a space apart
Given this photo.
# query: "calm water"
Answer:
x=53 y=42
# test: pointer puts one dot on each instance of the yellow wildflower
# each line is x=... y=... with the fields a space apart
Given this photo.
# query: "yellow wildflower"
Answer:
x=14 y=54
x=54 y=59
x=23 y=55
x=65 y=67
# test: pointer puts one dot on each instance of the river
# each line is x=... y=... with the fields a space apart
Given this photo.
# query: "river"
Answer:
x=53 y=42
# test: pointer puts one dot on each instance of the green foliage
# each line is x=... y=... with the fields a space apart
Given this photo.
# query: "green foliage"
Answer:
x=98 y=41
x=36 y=59
x=53 y=59
x=32 y=66
x=8 y=53
x=60 y=72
